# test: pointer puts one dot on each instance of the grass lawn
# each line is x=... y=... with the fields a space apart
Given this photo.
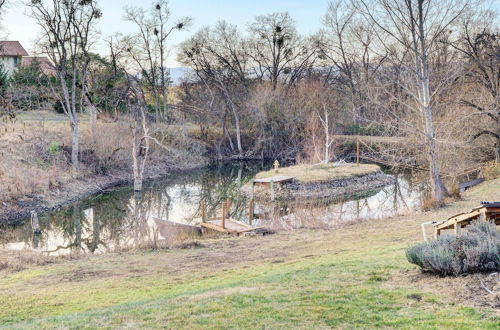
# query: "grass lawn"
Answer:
x=321 y=172
x=300 y=279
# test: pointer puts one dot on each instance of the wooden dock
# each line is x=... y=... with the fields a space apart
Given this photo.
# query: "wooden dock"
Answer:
x=488 y=211
x=225 y=224
x=229 y=226
x=271 y=182
x=278 y=179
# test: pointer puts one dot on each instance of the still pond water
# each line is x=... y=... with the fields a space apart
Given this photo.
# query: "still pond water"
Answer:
x=120 y=219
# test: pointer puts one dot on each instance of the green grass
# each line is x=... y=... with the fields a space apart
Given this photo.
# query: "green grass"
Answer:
x=304 y=279
x=321 y=172
x=318 y=292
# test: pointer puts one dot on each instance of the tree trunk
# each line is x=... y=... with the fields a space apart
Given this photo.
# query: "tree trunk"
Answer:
x=138 y=160
x=75 y=143
x=438 y=188
x=93 y=123
x=140 y=147
x=327 y=139
x=238 y=134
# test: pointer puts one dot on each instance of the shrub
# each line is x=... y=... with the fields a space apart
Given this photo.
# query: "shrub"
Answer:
x=475 y=250
x=53 y=148
x=491 y=170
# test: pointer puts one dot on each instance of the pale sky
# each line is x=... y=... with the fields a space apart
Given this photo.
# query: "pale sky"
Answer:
x=307 y=15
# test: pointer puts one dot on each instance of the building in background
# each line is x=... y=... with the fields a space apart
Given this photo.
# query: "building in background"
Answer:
x=11 y=54
x=44 y=63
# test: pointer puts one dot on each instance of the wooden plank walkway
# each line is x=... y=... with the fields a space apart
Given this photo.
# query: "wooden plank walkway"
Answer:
x=275 y=179
x=231 y=226
x=225 y=224
x=372 y=139
x=488 y=211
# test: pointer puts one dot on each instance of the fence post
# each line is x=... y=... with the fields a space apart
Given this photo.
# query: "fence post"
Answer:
x=250 y=212
x=203 y=212
x=272 y=190
x=357 y=151
x=224 y=215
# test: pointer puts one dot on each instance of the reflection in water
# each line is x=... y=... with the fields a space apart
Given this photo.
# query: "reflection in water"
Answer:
x=122 y=219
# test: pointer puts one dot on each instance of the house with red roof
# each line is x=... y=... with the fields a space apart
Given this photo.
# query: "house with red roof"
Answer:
x=11 y=54
x=42 y=61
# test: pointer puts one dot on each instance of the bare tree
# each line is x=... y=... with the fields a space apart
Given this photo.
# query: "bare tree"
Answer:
x=479 y=43
x=67 y=33
x=415 y=26
x=140 y=134
x=219 y=59
x=321 y=103
x=344 y=47
x=277 y=49
x=148 y=48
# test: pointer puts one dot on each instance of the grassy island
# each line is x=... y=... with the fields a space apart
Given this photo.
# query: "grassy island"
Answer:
x=321 y=172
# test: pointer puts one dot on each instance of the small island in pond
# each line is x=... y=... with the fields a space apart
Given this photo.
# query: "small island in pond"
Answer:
x=319 y=181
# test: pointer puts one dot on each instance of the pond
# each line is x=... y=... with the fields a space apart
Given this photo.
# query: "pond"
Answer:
x=120 y=219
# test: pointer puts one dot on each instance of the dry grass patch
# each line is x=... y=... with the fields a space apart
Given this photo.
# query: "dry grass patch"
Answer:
x=322 y=172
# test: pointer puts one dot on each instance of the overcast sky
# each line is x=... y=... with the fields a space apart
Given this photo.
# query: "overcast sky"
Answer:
x=307 y=15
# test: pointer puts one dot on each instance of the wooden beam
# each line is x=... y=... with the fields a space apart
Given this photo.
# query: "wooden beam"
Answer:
x=357 y=152
x=224 y=215
x=272 y=190
x=216 y=228
x=250 y=212
x=203 y=212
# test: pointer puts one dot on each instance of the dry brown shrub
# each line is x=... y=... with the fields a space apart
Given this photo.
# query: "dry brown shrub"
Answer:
x=491 y=170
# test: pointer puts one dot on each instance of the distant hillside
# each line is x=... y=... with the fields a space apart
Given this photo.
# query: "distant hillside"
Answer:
x=176 y=74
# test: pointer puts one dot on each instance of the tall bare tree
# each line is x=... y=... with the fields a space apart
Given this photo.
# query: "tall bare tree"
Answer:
x=413 y=28
x=277 y=50
x=219 y=59
x=344 y=47
x=68 y=31
x=148 y=48
x=479 y=43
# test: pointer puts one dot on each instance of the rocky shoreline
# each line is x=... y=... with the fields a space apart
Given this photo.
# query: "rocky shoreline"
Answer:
x=19 y=209
x=331 y=190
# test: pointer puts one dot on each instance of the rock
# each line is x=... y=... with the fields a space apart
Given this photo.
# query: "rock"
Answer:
x=333 y=189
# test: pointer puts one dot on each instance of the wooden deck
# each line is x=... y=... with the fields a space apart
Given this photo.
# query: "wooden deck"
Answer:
x=490 y=211
x=230 y=226
x=276 y=179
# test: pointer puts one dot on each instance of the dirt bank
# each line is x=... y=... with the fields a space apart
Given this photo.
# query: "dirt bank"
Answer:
x=78 y=189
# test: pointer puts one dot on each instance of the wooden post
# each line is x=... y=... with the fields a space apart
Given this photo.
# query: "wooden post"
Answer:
x=437 y=232
x=253 y=189
x=35 y=224
x=456 y=228
x=272 y=190
x=482 y=216
x=224 y=215
x=228 y=208
x=357 y=151
x=203 y=212
x=250 y=212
